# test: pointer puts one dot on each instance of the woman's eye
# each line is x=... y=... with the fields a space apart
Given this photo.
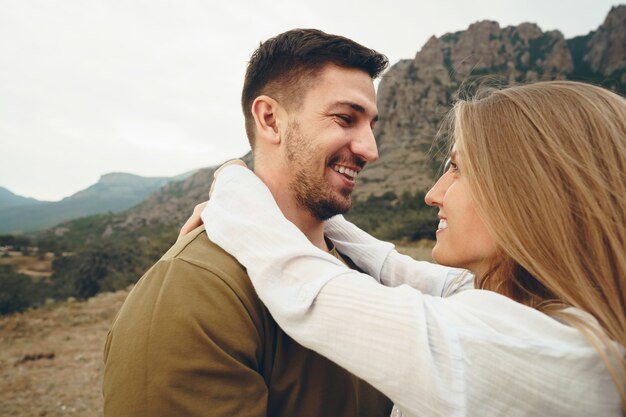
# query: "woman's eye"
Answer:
x=451 y=166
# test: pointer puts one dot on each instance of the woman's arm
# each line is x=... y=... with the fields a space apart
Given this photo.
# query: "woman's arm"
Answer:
x=380 y=260
x=371 y=330
x=431 y=355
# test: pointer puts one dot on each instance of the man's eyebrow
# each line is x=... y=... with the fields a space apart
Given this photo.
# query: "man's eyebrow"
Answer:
x=356 y=107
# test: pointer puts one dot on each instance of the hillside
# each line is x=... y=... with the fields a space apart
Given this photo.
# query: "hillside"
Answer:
x=114 y=192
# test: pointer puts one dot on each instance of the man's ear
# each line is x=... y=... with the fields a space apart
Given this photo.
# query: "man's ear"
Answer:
x=267 y=114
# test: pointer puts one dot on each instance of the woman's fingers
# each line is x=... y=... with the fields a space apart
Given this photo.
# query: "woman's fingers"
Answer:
x=194 y=221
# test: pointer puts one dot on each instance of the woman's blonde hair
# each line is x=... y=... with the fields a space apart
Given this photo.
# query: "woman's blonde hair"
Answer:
x=546 y=164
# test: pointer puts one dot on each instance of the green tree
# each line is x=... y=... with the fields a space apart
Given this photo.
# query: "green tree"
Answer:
x=100 y=268
x=395 y=218
x=15 y=241
x=19 y=292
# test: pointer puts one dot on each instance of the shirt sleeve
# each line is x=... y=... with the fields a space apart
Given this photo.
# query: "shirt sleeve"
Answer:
x=380 y=260
x=369 y=329
x=430 y=355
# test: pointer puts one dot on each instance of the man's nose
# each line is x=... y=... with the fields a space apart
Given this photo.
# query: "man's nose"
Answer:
x=364 y=145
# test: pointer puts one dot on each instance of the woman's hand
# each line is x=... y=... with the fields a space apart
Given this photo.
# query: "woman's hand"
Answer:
x=195 y=220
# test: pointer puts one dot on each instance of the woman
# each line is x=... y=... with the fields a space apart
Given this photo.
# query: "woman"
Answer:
x=533 y=204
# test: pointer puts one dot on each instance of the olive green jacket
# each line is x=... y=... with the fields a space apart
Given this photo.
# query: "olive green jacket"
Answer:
x=193 y=339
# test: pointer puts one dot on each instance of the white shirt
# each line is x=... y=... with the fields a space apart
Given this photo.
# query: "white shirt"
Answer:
x=436 y=347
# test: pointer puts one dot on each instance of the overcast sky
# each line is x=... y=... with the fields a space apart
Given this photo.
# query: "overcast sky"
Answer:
x=152 y=87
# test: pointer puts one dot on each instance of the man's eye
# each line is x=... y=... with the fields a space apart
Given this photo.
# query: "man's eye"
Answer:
x=344 y=118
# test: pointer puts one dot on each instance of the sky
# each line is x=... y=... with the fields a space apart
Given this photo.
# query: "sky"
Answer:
x=152 y=88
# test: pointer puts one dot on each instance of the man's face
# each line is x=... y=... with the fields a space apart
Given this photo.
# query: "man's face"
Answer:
x=329 y=140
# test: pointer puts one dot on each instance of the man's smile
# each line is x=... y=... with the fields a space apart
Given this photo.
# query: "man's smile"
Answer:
x=348 y=172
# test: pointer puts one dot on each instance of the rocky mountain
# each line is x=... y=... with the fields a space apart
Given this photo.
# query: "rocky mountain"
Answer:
x=415 y=94
x=9 y=199
x=607 y=48
x=114 y=192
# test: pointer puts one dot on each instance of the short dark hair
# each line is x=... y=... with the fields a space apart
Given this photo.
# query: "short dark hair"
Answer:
x=281 y=64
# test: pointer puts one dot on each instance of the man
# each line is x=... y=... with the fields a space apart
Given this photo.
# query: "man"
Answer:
x=192 y=338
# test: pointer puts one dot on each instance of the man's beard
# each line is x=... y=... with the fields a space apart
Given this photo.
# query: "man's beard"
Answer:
x=312 y=192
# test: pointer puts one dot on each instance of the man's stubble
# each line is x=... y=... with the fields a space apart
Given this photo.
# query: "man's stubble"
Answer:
x=311 y=190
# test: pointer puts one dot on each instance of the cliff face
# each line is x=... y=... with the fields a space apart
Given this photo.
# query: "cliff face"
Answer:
x=522 y=53
x=414 y=95
x=607 y=46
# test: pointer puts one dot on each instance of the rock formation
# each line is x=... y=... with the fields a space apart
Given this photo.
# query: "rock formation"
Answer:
x=414 y=95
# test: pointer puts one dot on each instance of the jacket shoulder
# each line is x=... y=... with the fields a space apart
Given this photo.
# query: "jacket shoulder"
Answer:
x=196 y=249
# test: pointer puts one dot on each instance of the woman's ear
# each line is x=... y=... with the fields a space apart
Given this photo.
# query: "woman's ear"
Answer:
x=267 y=113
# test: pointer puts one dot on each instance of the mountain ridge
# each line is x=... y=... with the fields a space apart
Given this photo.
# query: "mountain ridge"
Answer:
x=9 y=199
x=114 y=192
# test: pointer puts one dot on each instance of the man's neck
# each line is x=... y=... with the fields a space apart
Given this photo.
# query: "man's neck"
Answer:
x=312 y=227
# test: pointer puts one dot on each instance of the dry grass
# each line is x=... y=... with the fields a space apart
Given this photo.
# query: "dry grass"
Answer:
x=51 y=358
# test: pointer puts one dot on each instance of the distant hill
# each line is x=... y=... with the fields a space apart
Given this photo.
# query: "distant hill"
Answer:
x=9 y=199
x=114 y=192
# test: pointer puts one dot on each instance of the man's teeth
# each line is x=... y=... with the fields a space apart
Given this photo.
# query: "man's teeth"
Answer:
x=347 y=171
x=442 y=224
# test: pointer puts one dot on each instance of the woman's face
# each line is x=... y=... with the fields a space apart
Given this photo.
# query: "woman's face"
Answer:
x=462 y=239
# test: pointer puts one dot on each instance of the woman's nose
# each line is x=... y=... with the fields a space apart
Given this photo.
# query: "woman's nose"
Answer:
x=434 y=196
